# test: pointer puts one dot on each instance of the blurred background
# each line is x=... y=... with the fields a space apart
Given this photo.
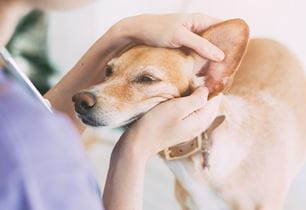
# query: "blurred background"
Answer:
x=52 y=43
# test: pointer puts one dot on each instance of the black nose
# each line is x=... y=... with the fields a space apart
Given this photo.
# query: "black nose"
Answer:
x=84 y=102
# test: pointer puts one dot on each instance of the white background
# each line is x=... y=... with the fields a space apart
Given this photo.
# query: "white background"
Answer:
x=71 y=34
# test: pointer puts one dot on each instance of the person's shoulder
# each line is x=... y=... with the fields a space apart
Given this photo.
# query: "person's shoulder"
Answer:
x=30 y=136
x=42 y=161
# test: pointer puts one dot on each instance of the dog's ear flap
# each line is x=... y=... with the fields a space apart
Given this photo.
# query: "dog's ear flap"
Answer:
x=231 y=37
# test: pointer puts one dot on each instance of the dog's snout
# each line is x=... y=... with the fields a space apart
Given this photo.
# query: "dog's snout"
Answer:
x=83 y=102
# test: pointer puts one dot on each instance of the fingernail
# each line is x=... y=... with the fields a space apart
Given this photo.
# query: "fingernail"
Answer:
x=204 y=90
x=218 y=55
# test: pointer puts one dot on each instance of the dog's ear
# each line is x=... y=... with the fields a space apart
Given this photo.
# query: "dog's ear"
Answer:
x=232 y=37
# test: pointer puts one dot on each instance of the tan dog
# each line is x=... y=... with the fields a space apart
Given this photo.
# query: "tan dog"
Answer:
x=259 y=147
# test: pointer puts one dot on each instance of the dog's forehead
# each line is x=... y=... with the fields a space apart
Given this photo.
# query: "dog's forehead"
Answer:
x=150 y=57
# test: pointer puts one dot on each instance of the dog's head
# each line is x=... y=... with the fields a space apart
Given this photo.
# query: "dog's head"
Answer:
x=143 y=77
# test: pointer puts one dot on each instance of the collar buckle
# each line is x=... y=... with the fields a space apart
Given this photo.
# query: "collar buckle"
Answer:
x=184 y=150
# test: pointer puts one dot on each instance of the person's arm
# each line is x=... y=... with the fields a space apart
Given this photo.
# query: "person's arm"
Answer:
x=173 y=31
x=156 y=130
x=125 y=179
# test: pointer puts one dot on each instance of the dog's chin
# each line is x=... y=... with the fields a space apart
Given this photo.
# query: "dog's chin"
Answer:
x=95 y=123
x=127 y=123
x=91 y=122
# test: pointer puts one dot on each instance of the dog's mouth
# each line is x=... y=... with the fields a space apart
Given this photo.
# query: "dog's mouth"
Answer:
x=89 y=121
x=94 y=119
x=95 y=123
x=131 y=120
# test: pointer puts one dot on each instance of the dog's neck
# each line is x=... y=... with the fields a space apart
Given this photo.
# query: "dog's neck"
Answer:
x=226 y=153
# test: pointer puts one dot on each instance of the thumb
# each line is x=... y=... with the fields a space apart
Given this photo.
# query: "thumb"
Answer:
x=189 y=104
x=200 y=120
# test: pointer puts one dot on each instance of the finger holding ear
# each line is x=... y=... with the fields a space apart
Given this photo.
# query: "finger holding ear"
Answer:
x=200 y=22
x=201 y=45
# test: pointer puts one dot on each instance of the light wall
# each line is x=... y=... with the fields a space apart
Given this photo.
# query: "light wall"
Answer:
x=71 y=33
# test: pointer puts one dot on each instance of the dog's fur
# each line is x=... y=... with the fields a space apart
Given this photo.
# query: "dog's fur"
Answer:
x=259 y=148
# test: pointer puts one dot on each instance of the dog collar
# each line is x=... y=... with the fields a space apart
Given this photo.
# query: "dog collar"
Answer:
x=202 y=143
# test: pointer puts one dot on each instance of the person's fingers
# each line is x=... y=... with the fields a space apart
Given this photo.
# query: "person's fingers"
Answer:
x=202 y=46
x=200 y=22
x=187 y=105
x=201 y=119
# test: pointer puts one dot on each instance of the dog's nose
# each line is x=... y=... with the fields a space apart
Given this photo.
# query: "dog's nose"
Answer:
x=83 y=102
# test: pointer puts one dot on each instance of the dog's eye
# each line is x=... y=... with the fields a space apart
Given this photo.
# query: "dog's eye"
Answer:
x=146 y=79
x=108 y=71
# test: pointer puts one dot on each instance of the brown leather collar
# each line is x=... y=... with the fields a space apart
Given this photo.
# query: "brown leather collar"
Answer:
x=201 y=143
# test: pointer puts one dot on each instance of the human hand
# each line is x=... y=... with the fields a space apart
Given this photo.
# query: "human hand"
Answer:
x=171 y=123
x=172 y=31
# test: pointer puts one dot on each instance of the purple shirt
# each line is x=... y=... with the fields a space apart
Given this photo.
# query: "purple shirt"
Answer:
x=42 y=162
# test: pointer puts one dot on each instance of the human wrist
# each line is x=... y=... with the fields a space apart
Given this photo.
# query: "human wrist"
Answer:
x=125 y=179
x=123 y=30
x=130 y=146
x=127 y=28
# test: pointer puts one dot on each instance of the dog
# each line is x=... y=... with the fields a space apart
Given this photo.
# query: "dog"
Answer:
x=259 y=145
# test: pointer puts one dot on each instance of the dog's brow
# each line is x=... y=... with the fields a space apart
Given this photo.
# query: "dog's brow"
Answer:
x=113 y=62
x=154 y=70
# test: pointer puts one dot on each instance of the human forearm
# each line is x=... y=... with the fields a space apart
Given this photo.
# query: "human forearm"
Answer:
x=125 y=179
x=88 y=71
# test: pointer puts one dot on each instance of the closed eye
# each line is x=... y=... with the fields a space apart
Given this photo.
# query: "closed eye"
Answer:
x=108 y=71
x=146 y=78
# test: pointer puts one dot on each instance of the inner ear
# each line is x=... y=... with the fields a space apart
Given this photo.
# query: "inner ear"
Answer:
x=231 y=37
